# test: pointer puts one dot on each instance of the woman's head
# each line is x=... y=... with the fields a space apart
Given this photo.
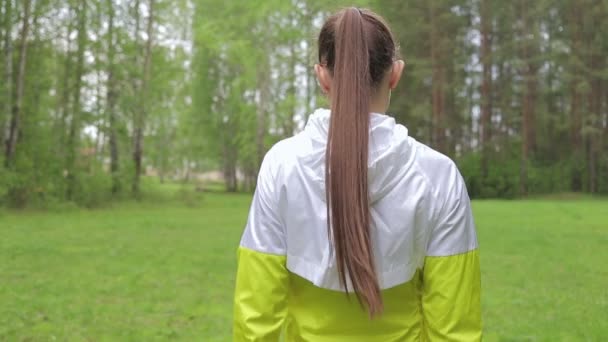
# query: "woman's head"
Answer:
x=357 y=68
x=383 y=67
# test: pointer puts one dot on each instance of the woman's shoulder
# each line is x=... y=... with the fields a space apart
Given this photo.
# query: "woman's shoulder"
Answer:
x=285 y=154
x=430 y=159
x=440 y=170
x=287 y=150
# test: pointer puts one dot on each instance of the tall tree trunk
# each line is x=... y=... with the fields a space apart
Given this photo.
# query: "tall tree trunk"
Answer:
x=73 y=143
x=454 y=119
x=100 y=118
x=291 y=92
x=8 y=72
x=142 y=110
x=470 y=91
x=111 y=103
x=135 y=74
x=262 y=111
x=230 y=171
x=15 y=122
x=598 y=65
x=37 y=51
x=576 y=117
x=310 y=78
x=502 y=87
x=136 y=80
x=550 y=96
x=64 y=103
x=528 y=32
x=438 y=78
x=595 y=131
x=485 y=124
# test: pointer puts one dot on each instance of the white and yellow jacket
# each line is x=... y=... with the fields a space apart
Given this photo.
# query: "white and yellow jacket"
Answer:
x=423 y=235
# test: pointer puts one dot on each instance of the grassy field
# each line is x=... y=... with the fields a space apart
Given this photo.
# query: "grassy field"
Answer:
x=156 y=272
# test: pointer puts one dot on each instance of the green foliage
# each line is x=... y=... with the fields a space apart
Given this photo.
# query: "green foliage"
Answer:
x=92 y=191
x=5 y=184
x=504 y=174
x=501 y=180
x=228 y=79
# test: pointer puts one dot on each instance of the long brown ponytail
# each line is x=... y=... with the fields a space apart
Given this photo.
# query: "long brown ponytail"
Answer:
x=358 y=48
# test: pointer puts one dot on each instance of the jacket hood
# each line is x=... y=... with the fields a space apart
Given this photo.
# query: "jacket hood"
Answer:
x=389 y=152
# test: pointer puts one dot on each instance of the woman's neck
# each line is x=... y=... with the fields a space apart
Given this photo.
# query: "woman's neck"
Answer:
x=379 y=104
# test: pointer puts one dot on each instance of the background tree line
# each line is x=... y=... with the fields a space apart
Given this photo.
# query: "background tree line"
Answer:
x=95 y=94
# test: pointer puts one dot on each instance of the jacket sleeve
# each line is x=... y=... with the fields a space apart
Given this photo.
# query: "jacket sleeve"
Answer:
x=451 y=285
x=260 y=300
x=260 y=296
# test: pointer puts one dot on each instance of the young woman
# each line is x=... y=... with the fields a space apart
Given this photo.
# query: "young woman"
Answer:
x=354 y=205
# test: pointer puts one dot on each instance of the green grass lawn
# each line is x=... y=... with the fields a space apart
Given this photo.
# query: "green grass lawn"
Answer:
x=156 y=272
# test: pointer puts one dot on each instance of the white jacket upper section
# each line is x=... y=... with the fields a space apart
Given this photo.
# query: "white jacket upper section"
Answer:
x=419 y=204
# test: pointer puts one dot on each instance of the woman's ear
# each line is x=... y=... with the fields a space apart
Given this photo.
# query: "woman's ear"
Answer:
x=396 y=73
x=323 y=78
